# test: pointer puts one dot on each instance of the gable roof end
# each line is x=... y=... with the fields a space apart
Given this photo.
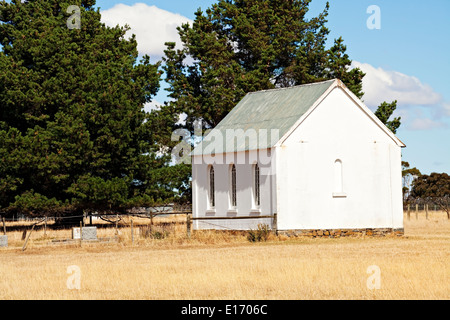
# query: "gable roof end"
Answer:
x=264 y=119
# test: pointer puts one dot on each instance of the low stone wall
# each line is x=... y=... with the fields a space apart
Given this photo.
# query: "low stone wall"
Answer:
x=336 y=233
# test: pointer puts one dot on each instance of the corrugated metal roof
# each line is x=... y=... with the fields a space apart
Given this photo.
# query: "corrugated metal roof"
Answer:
x=271 y=112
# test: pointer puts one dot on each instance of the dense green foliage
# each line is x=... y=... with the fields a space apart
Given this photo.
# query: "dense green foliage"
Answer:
x=385 y=111
x=433 y=188
x=240 y=46
x=73 y=131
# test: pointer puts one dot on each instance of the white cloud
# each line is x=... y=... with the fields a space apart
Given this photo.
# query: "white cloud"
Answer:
x=446 y=109
x=151 y=25
x=384 y=85
x=425 y=124
x=420 y=107
x=153 y=105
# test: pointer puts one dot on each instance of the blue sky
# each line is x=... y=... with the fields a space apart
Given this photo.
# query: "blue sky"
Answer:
x=406 y=59
x=413 y=40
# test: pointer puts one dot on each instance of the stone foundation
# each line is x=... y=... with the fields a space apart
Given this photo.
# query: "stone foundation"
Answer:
x=337 y=233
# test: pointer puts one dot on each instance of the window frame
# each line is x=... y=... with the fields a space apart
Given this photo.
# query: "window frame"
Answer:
x=233 y=187
x=338 y=179
x=211 y=188
x=256 y=186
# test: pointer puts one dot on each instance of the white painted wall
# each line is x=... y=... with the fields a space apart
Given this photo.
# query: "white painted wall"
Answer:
x=371 y=171
x=244 y=163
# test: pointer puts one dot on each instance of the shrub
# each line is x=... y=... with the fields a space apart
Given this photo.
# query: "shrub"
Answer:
x=260 y=234
x=154 y=233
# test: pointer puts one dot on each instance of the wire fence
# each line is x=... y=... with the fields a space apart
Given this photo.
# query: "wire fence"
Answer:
x=61 y=229
x=421 y=207
x=102 y=220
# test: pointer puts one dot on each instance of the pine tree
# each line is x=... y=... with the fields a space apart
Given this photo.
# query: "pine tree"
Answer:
x=239 y=46
x=384 y=113
x=73 y=132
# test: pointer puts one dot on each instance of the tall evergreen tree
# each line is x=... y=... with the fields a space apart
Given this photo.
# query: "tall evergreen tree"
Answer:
x=239 y=46
x=384 y=113
x=73 y=132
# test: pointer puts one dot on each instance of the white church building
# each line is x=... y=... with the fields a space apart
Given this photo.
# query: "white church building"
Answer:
x=312 y=155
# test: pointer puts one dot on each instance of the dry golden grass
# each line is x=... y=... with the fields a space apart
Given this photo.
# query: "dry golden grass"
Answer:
x=215 y=265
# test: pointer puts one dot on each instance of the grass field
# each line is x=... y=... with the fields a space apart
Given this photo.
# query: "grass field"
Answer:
x=214 y=265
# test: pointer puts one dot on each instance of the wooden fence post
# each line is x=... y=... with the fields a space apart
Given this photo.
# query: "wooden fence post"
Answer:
x=4 y=226
x=45 y=226
x=426 y=211
x=132 y=235
x=409 y=211
x=275 y=223
x=188 y=226
x=28 y=237
x=81 y=232
x=417 y=211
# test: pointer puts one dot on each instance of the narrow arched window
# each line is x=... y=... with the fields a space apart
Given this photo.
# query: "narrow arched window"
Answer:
x=212 y=197
x=338 y=180
x=233 y=187
x=256 y=187
x=338 y=187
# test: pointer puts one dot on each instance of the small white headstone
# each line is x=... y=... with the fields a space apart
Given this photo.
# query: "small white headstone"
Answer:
x=88 y=233
x=76 y=233
x=3 y=241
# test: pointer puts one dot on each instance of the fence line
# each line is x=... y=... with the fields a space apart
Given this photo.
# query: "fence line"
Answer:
x=150 y=215
x=425 y=208
x=54 y=218
x=28 y=237
x=421 y=206
x=43 y=221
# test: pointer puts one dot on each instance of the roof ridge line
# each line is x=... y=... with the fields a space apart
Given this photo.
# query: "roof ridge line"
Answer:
x=292 y=87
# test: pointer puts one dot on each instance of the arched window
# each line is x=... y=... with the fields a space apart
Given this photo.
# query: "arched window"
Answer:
x=212 y=197
x=233 y=194
x=338 y=191
x=338 y=187
x=256 y=187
